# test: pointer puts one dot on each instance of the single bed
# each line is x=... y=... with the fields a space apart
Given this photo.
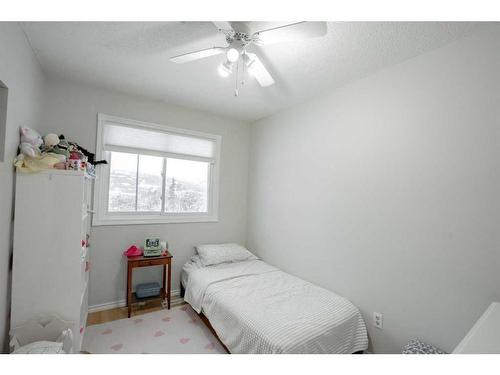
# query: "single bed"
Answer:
x=254 y=307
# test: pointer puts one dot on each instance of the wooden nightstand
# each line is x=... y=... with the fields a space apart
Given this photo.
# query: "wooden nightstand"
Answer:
x=138 y=262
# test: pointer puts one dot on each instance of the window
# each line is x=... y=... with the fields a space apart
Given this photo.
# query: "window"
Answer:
x=135 y=183
x=156 y=174
x=187 y=186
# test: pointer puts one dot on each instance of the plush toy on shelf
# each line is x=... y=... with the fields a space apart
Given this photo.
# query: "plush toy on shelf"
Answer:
x=50 y=141
x=52 y=152
x=30 y=142
x=31 y=136
x=31 y=158
x=29 y=150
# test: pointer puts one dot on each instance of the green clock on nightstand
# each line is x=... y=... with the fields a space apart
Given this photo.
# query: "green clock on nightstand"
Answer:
x=152 y=247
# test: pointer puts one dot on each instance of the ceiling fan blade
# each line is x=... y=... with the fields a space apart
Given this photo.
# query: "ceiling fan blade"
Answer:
x=257 y=70
x=197 y=55
x=291 y=32
x=223 y=25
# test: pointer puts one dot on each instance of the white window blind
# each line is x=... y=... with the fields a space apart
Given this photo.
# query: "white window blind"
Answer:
x=119 y=137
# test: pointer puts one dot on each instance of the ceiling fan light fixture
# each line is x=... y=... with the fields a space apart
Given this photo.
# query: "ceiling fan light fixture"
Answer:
x=225 y=69
x=232 y=55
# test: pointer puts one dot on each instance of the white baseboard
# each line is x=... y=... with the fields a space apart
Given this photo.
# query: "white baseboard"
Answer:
x=107 y=306
x=175 y=299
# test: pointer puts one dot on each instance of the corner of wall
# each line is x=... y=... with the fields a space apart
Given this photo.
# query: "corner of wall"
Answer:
x=21 y=72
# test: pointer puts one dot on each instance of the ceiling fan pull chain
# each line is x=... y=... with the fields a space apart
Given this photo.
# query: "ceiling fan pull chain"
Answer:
x=243 y=74
x=236 y=92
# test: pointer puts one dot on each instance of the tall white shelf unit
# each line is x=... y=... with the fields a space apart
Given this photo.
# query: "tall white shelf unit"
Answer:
x=50 y=270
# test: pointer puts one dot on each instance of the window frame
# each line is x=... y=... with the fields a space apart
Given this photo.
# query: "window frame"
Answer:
x=101 y=193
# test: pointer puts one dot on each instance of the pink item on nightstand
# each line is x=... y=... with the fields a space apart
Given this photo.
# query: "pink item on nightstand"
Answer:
x=133 y=251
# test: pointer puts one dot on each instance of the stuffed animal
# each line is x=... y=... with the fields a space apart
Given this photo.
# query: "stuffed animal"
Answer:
x=30 y=136
x=28 y=149
x=30 y=142
x=50 y=141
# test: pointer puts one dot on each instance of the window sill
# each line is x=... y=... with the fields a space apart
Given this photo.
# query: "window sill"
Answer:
x=157 y=220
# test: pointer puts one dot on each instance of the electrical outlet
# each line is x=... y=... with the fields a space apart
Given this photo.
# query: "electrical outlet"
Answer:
x=378 y=320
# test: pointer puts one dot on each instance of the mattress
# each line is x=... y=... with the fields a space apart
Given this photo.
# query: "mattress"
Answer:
x=257 y=308
x=192 y=265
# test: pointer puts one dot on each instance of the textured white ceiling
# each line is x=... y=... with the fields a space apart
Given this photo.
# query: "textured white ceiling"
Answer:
x=132 y=57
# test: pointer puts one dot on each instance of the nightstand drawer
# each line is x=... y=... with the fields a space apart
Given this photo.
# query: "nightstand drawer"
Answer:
x=147 y=263
x=154 y=262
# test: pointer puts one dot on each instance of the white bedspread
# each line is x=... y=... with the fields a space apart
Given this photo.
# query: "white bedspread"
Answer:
x=256 y=308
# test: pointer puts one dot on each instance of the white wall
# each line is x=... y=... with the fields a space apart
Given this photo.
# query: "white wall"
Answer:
x=71 y=109
x=386 y=191
x=20 y=72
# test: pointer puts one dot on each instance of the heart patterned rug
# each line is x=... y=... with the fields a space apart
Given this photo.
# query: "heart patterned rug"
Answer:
x=176 y=331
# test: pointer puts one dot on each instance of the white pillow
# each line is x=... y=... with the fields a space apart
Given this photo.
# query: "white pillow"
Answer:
x=222 y=253
x=41 y=347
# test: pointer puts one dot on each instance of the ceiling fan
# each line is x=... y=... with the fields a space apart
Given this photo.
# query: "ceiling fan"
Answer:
x=238 y=41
